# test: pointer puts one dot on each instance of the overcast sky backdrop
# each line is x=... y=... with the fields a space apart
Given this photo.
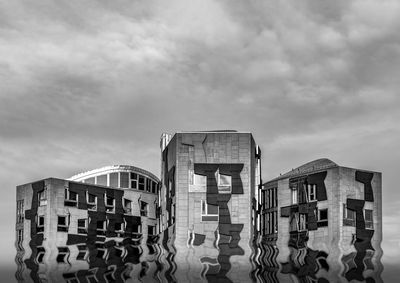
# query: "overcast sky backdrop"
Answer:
x=85 y=84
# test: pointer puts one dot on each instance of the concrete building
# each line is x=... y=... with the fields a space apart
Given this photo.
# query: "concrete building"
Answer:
x=326 y=222
x=70 y=231
x=209 y=180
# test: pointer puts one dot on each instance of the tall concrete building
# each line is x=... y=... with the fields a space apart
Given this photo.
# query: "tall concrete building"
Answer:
x=322 y=221
x=209 y=180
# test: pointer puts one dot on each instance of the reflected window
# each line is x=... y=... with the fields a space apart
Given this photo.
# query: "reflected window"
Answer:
x=151 y=230
x=101 y=227
x=110 y=204
x=209 y=212
x=63 y=254
x=20 y=211
x=199 y=180
x=40 y=254
x=82 y=252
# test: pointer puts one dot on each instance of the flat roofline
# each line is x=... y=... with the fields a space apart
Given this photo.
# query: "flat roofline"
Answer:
x=214 y=132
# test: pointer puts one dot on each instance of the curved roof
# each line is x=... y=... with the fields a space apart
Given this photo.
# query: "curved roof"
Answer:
x=316 y=165
x=113 y=168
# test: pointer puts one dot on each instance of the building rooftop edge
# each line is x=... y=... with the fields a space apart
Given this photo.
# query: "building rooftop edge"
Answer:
x=112 y=167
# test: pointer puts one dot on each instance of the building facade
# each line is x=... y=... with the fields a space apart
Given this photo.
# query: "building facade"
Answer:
x=70 y=231
x=323 y=221
x=209 y=181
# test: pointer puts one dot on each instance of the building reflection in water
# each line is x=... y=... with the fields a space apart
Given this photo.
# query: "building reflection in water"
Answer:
x=209 y=219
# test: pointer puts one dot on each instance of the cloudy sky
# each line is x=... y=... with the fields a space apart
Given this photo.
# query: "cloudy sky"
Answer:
x=85 y=84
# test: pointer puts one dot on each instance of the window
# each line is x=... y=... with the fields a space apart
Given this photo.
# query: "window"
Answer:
x=91 y=201
x=124 y=179
x=143 y=208
x=101 y=180
x=298 y=222
x=119 y=227
x=349 y=216
x=141 y=183
x=127 y=206
x=312 y=192
x=154 y=187
x=40 y=254
x=82 y=226
x=71 y=198
x=62 y=224
x=113 y=179
x=101 y=227
x=209 y=212
x=137 y=229
x=101 y=250
x=151 y=230
x=134 y=181
x=20 y=211
x=63 y=253
x=294 y=195
x=148 y=185
x=368 y=216
x=89 y=180
x=224 y=183
x=110 y=204
x=40 y=224
x=322 y=218
x=42 y=196
x=20 y=236
x=199 y=180
x=82 y=252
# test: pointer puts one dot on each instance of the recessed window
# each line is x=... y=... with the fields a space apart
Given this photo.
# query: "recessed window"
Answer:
x=63 y=253
x=200 y=180
x=91 y=201
x=298 y=222
x=124 y=179
x=143 y=208
x=154 y=187
x=294 y=195
x=71 y=198
x=312 y=192
x=349 y=216
x=40 y=224
x=62 y=223
x=137 y=229
x=119 y=227
x=101 y=180
x=209 y=212
x=110 y=204
x=369 y=219
x=101 y=227
x=224 y=183
x=20 y=211
x=82 y=226
x=127 y=206
x=151 y=230
x=322 y=218
x=113 y=179
x=20 y=236
x=42 y=196
x=134 y=181
x=142 y=184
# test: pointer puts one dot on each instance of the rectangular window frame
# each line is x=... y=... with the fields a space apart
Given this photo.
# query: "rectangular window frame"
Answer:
x=205 y=215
